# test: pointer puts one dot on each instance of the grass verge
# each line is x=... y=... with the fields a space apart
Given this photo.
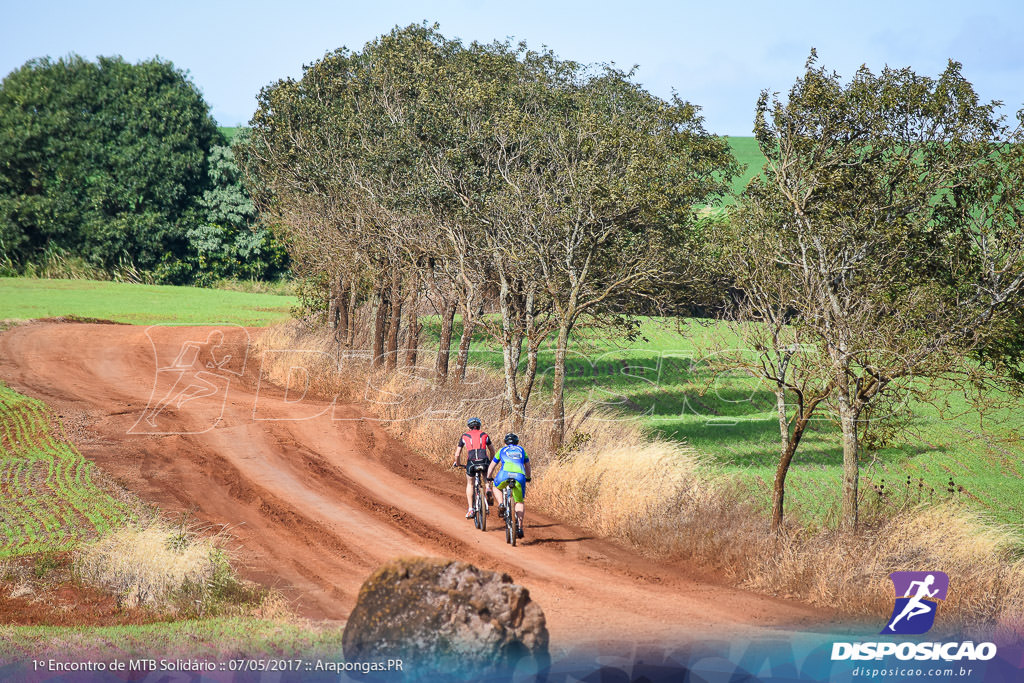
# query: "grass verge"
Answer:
x=210 y=639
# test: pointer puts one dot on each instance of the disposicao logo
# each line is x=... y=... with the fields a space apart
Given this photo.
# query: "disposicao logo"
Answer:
x=917 y=595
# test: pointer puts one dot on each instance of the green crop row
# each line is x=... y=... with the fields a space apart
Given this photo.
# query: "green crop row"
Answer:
x=49 y=498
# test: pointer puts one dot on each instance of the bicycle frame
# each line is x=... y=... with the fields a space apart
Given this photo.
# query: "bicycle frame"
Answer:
x=479 y=501
x=511 y=521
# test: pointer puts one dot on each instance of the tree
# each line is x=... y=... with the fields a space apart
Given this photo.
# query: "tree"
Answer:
x=606 y=193
x=885 y=239
x=105 y=159
x=230 y=243
x=539 y=186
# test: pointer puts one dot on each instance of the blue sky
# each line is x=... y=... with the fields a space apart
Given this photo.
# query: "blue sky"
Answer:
x=716 y=55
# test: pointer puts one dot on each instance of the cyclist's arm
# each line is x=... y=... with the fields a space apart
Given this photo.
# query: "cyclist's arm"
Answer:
x=490 y=447
x=458 y=455
x=527 y=468
x=494 y=466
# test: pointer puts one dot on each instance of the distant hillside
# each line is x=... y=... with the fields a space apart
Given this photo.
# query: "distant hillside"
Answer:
x=229 y=132
x=747 y=153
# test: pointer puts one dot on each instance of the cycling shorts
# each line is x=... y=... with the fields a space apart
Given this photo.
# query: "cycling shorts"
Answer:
x=519 y=492
x=473 y=465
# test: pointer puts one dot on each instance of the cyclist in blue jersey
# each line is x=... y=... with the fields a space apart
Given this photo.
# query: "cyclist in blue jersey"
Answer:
x=512 y=463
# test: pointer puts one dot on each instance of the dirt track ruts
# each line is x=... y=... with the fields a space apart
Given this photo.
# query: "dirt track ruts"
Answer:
x=316 y=503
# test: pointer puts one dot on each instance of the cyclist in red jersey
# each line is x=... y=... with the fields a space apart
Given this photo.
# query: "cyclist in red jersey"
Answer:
x=479 y=452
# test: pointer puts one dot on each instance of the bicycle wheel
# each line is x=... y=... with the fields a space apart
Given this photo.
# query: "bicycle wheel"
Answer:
x=510 y=536
x=478 y=504
x=511 y=510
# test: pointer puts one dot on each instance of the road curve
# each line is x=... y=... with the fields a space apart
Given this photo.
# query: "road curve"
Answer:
x=317 y=495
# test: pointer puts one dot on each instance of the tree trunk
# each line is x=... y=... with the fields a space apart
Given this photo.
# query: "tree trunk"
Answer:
x=558 y=390
x=519 y=417
x=394 y=324
x=785 y=458
x=341 y=329
x=513 y=402
x=412 y=326
x=848 y=421
x=534 y=338
x=444 y=344
x=790 y=444
x=462 y=360
x=350 y=328
x=380 y=316
x=511 y=348
x=333 y=309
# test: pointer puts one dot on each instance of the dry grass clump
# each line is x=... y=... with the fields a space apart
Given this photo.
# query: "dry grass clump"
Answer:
x=294 y=353
x=624 y=491
x=850 y=572
x=611 y=478
x=155 y=565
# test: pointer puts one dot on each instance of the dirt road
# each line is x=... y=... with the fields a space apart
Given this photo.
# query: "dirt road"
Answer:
x=318 y=495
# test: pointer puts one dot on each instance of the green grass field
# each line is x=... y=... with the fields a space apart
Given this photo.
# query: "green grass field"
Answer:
x=748 y=154
x=26 y=298
x=229 y=132
x=48 y=499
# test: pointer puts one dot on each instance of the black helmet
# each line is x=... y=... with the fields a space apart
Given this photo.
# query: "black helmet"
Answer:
x=473 y=423
x=511 y=439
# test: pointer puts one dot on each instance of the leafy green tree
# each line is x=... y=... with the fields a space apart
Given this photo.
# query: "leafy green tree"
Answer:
x=882 y=250
x=105 y=159
x=545 y=188
x=231 y=243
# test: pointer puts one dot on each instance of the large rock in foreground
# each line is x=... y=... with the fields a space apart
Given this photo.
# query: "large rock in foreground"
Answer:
x=446 y=616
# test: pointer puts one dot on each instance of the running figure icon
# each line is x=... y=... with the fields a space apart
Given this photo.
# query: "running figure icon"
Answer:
x=916 y=605
x=190 y=375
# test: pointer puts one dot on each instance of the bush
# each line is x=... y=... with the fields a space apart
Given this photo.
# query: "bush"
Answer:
x=104 y=159
x=163 y=566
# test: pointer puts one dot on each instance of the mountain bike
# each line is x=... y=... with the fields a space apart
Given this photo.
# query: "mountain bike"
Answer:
x=479 y=499
x=511 y=521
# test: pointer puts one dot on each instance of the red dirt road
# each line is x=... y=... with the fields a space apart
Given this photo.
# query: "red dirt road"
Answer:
x=318 y=496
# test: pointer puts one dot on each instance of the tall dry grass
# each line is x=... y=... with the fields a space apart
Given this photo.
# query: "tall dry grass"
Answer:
x=157 y=564
x=57 y=263
x=850 y=572
x=614 y=479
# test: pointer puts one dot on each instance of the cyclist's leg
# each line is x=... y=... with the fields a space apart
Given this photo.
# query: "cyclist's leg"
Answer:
x=499 y=493
x=519 y=495
x=469 y=490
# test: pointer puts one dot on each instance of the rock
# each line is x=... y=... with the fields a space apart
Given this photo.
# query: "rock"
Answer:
x=445 y=616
